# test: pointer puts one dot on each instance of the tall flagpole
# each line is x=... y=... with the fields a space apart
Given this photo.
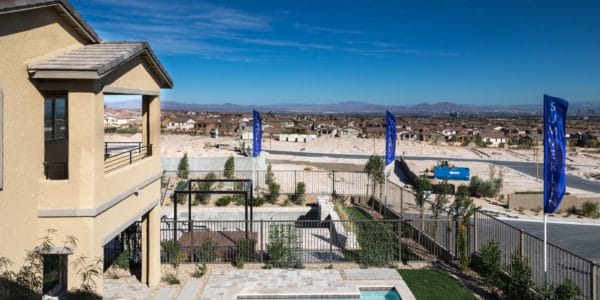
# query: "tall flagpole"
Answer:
x=385 y=175
x=545 y=250
x=555 y=114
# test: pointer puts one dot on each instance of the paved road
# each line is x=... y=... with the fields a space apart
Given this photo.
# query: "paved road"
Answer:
x=528 y=168
x=580 y=239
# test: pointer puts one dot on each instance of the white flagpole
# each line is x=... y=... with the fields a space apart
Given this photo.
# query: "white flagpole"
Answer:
x=254 y=185
x=545 y=251
x=385 y=175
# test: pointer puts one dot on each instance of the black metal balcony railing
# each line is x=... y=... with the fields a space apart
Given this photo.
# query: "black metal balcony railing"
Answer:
x=56 y=170
x=113 y=161
x=118 y=147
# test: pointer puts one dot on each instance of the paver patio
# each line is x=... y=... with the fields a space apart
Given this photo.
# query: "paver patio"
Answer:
x=231 y=284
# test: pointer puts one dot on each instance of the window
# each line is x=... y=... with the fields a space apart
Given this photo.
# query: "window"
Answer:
x=55 y=118
x=56 y=133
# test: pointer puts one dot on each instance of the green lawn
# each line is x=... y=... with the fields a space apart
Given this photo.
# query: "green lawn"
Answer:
x=434 y=284
x=356 y=213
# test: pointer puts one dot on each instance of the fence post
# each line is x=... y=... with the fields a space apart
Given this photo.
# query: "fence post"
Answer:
x=330 y=240
x=401 y=203
x=475 y=233
x=400 y=240
x=594 y=281
x=522 y=243
x=189 y=196
x=262 y=236
x=333 y=182
x=130 y=157
x=295 y=182
x=448 y=233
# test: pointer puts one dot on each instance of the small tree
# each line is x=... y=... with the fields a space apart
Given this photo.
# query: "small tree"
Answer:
x=375 y=169
x=204 y=186
x=183 y=169
x=229 y=168
x=439 y=203
x=462 y=210
x=270 y=176
x=300 y=191
x=423 y=191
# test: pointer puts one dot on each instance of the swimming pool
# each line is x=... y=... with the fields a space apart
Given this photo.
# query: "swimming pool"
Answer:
x=387 y=294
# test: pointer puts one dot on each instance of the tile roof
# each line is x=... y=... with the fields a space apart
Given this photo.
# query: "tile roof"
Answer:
x=8 y=6
x=103 y=58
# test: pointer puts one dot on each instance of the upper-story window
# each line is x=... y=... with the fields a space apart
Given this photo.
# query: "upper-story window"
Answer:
x=56 y=135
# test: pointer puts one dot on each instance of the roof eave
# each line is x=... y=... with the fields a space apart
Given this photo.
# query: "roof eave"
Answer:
x=68 y=11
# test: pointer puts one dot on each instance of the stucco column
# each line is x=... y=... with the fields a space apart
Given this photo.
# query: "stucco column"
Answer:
x=144 y=230
x=154 y=270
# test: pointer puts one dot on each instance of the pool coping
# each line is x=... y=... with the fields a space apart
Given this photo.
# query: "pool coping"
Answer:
x=351 y=295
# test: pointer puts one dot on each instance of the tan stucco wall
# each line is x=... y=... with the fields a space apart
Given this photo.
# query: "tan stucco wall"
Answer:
x=23 y=121
x=135 y=75
x=26 y=37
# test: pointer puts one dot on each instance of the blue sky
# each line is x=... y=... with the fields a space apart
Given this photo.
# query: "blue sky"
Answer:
x=389 y=52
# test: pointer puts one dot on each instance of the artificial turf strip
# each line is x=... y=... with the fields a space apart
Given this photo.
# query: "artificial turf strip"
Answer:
x=355 y=213
x=434 y=284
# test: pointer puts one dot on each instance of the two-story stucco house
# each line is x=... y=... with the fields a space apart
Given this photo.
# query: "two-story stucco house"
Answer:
x=54 y=174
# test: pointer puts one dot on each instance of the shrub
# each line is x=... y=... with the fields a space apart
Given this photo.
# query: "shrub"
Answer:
x=274 y=189
x=589 y=209
x=245 y=251
x=485 y=188
x=488 y=263
x=519 y=284
x=171 y=278
x=258 y=201
x=300 y=193
x=238 y=199
x=199 y=271
x=122 y=261
x=207 y=252
x=567 y=290
x=283 y=250
x=169 y=249
x=224 y=201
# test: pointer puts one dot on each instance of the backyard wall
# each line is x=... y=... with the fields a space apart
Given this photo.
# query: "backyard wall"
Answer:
x=534 y=201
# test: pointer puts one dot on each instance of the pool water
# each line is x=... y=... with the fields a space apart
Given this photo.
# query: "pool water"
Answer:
x=364 y=295
x=379 y=295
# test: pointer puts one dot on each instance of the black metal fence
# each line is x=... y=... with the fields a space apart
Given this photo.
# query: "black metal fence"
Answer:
x=316 y=182
x=375 y=242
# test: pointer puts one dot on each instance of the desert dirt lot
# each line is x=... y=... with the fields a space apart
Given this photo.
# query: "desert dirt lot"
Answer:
x=174 y=145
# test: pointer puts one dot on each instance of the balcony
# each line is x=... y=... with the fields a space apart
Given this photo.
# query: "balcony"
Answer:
x=120 y=154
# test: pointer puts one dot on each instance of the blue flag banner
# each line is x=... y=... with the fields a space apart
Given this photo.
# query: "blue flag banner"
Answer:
x=256 y=134
x=555 y=152
x=390 y=138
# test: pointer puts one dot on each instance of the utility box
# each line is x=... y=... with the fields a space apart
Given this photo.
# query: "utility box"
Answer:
x=448 y=173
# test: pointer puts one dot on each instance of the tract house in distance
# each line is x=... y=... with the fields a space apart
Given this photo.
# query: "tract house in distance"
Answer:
x=54 y=74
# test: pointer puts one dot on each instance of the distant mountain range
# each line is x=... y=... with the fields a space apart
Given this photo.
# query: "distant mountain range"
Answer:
x=587 y=108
